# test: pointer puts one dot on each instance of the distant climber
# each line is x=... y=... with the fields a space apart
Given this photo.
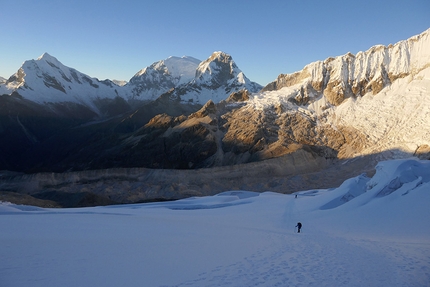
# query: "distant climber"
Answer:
x=296 y=196
x=299 y=226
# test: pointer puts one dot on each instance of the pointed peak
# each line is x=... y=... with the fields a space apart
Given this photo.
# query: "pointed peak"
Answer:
x=220 y=53
x=47 y=57
x=220 y=56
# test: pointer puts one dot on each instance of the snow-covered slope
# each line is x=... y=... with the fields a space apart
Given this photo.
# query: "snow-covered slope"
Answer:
x=46 y=80
x=367 y=232
x=150 y=82
x=120 y=82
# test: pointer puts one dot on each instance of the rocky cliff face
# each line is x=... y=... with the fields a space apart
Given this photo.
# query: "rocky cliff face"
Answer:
x=351 y=75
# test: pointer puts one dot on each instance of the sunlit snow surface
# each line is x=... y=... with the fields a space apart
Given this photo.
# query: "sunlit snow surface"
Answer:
x=368 y=232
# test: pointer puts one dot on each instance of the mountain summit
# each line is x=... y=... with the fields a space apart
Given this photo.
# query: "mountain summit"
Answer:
x=219 y=69
x=47 y=80
x=215 y=77
x=150 y=82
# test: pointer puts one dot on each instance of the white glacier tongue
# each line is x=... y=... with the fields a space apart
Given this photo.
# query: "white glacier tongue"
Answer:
x=396 y=118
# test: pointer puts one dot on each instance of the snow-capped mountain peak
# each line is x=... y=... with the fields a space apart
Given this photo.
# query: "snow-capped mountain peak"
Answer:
x=47 y=57
x=47 y=80
x=218 y=68
x=215 y=79
x=161 y=76
x=194 y=81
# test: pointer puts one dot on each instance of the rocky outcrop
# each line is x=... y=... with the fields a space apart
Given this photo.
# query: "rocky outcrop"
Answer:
x=423 y=152
x=207 y=109
x=240 y=96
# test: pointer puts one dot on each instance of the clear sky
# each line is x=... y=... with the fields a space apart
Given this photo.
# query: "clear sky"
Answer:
x=115 y=39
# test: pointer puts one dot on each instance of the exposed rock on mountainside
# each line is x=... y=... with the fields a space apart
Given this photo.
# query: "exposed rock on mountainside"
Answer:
x=423 y=152
x=240 y=96
x=356 y=75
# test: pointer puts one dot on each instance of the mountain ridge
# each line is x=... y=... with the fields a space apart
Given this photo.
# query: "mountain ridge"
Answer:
x=47 y=80
x=354 y=75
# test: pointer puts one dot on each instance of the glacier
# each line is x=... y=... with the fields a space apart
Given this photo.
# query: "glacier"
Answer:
x=235 y=238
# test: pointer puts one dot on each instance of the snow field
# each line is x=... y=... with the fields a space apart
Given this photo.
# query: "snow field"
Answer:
x=367 y=232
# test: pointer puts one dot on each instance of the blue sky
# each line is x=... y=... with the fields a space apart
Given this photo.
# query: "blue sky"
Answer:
x=115 y=39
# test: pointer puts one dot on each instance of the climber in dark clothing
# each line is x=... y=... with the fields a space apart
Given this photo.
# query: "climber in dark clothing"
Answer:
x=299 y=226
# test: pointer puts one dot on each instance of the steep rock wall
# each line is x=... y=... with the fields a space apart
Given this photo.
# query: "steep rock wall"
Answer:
x=355 y=75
